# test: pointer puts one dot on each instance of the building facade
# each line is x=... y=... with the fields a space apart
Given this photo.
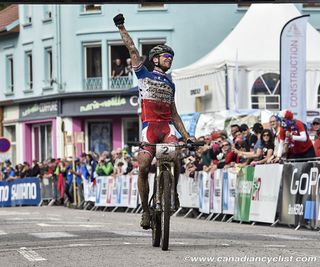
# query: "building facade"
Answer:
x=58 y=63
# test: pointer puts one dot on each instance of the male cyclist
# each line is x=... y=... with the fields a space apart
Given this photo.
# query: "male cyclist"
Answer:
x=158 y=110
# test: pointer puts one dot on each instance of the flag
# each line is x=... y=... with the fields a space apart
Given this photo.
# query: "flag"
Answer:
x=293 y=66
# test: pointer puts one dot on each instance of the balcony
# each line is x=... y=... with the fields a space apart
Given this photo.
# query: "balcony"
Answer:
x=92 y=84
x=120 y=83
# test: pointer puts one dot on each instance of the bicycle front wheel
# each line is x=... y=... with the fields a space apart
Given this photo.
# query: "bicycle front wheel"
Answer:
x=166 y=210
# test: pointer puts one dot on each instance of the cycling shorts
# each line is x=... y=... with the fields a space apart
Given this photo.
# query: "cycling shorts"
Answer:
x=157 y=132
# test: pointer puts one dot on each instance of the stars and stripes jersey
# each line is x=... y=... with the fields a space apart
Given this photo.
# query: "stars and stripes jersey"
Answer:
x=156 y=92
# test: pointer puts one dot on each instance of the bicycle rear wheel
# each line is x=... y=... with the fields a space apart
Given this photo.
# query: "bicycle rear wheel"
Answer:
x=166 y=210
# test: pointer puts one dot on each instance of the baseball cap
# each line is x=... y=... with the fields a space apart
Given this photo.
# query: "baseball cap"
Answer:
x=316 y=121
x=286 y=114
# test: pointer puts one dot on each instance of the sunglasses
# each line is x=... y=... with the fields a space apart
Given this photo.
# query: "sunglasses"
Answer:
x=166 y=55
x=315 y=123
x=223 y=145
x=266 y=135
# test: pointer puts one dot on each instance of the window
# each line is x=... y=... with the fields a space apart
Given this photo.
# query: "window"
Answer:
x=48 y=66
x=152 y=5
x=10 y=75
x=130 y=130
x=29 y=70
x=92 y=8
x=93 y=67
x=28 y=14
x=100 y=136
x=266 y=92
x=42 y=142
x=10 y=134
x=146 y=47
x=47 y=12
x=118 y=78
x=311 y=5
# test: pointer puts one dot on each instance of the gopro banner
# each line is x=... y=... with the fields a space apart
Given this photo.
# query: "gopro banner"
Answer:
x=265 y=191
x=293 y=66
x=300 y=194
x=20 y=192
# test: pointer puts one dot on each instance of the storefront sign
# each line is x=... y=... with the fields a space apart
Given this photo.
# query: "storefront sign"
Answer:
x=39 y=110
x=100 y=106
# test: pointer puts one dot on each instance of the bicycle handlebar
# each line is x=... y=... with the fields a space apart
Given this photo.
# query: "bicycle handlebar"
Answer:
x=185 y=145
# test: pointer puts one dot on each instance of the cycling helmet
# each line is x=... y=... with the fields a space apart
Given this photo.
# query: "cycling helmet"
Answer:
x=159 y=49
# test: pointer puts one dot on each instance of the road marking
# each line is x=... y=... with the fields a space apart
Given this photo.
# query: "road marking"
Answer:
x=52 y=235
x=130 y=233
x=275 y=246
x=3 y=233
x=288 y=237
x=30 y=255
x=73 y=225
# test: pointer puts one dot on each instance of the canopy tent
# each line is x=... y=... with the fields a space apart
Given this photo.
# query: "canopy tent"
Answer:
x=250 y=50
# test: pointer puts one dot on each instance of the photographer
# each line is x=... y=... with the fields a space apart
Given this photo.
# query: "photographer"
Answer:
x=104 y=167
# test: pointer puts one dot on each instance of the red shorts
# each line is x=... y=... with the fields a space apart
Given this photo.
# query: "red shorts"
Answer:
x=157 y=132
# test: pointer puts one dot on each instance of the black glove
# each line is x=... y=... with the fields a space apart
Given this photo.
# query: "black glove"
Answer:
x=118 y=20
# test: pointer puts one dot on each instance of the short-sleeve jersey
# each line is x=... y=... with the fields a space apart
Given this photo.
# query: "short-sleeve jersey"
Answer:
x=156 y=92
x=298 y=147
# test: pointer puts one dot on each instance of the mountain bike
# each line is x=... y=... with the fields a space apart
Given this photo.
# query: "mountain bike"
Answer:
x=162 y=203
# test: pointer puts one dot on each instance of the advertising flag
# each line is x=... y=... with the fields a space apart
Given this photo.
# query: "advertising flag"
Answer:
x=293 y=66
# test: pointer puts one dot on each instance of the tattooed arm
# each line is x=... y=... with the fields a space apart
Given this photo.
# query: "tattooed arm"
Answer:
x=127 y=40
x=177 y=122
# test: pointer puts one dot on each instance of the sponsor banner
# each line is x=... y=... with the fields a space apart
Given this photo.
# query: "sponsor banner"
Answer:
x=204 y=192
x=133 y=190
x=293 y=66
x=229 y=190
x=217 y=191
x=243 y=196
x=300 y=194
x=20 y=192
x=104 y=188
x=190 y=121
x=89 y=190
x=188 y=191
x=265 y=191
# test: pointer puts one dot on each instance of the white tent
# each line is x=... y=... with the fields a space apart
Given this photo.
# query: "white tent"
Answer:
x=250 y=50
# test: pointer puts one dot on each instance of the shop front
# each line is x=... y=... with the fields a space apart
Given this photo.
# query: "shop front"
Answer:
x=38 y=123
x=108 y=122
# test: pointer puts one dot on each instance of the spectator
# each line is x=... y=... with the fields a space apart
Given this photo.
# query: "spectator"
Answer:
x=264 y=151
x=316 y=128
x=8 y=171
x=118 y=69
x=246 y=135
x=26 y=171
x=128 y=71
x=35 y=171
x=294 y=134
x=234 y=129
x=104 y=167
x=257 y=128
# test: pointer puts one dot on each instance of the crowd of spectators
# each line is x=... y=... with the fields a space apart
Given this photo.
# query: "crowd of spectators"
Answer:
x=285 y=138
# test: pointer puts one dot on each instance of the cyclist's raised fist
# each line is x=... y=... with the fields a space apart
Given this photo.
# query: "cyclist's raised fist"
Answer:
x=118 y=20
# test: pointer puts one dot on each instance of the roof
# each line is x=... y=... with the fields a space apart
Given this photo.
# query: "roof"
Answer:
x=254 y=42
x=9 y=18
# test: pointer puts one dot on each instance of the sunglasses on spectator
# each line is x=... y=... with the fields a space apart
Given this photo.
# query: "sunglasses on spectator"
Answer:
x=266 y=135
x=166 y=55
x=315 y=123
x=223 y=145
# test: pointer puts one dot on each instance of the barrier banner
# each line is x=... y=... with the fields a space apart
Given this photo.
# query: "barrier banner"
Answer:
x=217 y=191
x=89 y=190
x=104 y=191
x=265 y=191
x=118 y=192
x=243 y=195
x=204 y=192
x=229 y=190
x=188 y=191
x=133 y=190
x=24 y=191
x=300 y=194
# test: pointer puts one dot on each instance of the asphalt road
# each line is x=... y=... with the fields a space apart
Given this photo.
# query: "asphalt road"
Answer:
x=58 y=236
